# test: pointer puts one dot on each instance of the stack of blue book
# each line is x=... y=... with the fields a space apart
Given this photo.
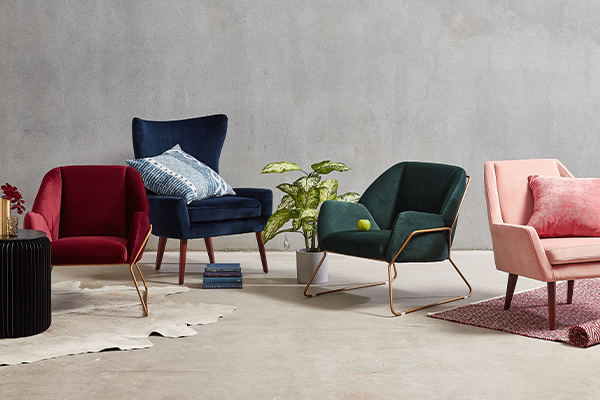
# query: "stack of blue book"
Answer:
x=222 y=276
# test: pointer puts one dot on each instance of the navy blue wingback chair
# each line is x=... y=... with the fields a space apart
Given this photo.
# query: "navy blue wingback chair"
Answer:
x=202 y=137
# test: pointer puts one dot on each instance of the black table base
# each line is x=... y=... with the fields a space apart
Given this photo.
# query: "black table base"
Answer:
x=25 y=266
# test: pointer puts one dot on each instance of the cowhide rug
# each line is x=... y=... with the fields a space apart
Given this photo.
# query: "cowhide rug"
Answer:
x=90 y=320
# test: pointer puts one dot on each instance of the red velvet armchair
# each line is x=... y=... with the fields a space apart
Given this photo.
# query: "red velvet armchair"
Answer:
x=95 y=214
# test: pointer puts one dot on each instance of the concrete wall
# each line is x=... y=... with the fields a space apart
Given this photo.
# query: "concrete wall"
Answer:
x=368 y=83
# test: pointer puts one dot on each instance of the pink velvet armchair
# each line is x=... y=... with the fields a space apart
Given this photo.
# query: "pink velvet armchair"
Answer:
x=518 y=249
x=94 y=214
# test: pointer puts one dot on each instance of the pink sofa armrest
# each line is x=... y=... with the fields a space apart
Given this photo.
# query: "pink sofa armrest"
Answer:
x=518 y=250
x=36 y=221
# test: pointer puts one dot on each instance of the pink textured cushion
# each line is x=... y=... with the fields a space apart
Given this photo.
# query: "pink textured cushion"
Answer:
x=565 y=206
x=572 y=249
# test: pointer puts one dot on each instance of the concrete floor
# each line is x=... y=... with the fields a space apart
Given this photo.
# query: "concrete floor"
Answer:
x=280 y=345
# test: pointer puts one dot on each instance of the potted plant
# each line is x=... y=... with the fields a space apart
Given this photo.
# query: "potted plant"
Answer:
x=300 y=206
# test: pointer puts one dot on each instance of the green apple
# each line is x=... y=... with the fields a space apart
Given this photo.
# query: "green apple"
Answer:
x=364 y=225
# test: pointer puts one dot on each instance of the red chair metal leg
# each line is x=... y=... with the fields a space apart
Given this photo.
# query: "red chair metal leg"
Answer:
x=182 y=254
x=510 y=289
x=209 y=249
x=570 y=287
x=552 y=304
x=162 y=243
x=261 y=249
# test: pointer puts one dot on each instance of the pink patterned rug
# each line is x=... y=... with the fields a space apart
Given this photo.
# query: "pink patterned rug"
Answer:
x=577 y=323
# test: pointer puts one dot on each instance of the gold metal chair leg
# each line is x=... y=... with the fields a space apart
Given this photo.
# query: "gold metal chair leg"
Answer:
x=345 y=288
x=144 y=297
x=428 y=305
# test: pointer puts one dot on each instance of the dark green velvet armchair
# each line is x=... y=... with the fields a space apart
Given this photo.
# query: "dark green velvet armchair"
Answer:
x=412 y=207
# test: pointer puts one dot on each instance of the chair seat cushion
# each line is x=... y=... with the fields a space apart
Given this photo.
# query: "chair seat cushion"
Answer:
x=571 y=250
x=89 y=250
x=224 y=208
x=371 y=244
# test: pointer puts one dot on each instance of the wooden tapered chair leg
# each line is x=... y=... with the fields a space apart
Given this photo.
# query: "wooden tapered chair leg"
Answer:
x=552 y=304
x=162 y=243
x=570 y=288
x=182 y=254
x=261 y=249
x=209 y=249
x=510 y=289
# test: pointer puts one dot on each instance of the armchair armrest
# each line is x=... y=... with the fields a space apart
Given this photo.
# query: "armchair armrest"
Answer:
x=169 y=216
x=264 y=196
x=336 y=216
x=34 y=220
x=139 y=229
x=518 y=250
x=429 y=246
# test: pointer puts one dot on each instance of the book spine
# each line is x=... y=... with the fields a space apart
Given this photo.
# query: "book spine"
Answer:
x=222 y=285
x=223 y=279
x=224 y=269
x=216 y=267
x=222 y=274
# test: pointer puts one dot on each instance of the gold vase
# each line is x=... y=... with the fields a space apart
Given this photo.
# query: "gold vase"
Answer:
x=4 y=216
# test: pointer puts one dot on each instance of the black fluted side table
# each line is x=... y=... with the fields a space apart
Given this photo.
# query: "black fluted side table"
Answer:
x=24 y=284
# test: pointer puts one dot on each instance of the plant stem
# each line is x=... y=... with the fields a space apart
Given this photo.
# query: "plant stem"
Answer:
x=306 y=243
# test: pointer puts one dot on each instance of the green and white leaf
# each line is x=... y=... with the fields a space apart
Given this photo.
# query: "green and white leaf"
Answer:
x=313 y=199
x=280 y=167
x=275 y=222
x=325 y=167
x=307 y=182
x=292 y=190
x=350 y=197
x=308 y=214
x=328 y=189
x=287 y=202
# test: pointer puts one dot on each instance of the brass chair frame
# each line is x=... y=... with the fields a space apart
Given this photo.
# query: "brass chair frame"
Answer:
x=143 y=297
x=392 y=264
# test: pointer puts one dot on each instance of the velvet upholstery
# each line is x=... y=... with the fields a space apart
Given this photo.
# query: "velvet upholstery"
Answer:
x=95 y=214
x=518 y=249
x=408 y=196
x=203 y=138
x=413 y=208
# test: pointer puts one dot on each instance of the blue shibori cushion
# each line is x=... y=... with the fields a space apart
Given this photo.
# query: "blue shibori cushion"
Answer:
x=176 y=173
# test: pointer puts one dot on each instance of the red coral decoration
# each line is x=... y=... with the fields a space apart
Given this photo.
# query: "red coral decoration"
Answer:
x=11 y=193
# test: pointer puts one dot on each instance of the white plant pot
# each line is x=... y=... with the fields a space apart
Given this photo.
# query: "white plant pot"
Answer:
x=306 y=264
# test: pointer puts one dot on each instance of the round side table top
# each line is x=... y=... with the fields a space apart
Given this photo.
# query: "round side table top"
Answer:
x=24 y=234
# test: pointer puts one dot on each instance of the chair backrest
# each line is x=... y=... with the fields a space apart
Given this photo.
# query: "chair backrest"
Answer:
x=507 y=187
x=90 y=200
x=415 y=186
x=202 y=137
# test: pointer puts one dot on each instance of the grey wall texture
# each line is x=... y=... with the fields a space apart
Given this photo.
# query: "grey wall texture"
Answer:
x=368 y=83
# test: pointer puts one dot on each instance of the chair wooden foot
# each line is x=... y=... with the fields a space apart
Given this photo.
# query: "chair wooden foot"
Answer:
x=570 y=288
x=209 y=249
x=552 y=304
x=261 y=250
x=162 y=243
x=182 y=255
x=510 y=290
